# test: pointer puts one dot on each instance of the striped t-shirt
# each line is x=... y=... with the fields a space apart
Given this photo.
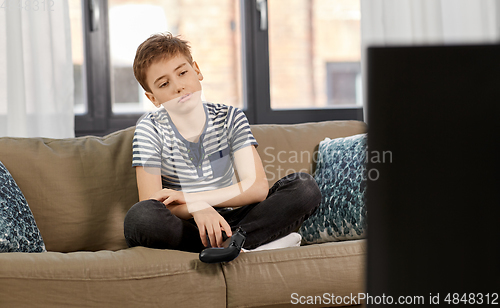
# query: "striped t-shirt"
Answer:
x=187 y=166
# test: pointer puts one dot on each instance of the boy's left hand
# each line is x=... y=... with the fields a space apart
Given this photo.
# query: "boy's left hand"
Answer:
x=210 y=223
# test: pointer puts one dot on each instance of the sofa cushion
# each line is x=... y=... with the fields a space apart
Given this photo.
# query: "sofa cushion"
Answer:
x=289 y=148
x=275 y=278
x=79 y=189
x=135 y=277
x=18 y=230
x=341 y=177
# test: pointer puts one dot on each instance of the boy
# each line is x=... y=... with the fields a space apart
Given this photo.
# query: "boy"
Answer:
x=184 y=153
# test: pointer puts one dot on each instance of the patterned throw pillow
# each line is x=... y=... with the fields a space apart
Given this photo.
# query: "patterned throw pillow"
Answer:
x=18 y=230
x=341 y=177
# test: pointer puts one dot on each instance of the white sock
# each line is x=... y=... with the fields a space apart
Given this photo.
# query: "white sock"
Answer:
x=291 y=240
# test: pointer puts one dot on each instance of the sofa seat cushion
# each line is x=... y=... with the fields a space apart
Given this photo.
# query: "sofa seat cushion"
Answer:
x=136 y=277
x=269 y=278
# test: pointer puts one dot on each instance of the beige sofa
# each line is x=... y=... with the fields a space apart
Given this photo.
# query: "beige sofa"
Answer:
x=79 y=191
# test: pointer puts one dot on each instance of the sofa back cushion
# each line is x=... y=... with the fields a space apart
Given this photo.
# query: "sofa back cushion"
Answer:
x=80 y=189
x=286 y=149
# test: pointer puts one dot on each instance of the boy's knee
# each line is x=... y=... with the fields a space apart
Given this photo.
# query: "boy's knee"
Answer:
x=140 y=216
x=309 y=188
x=309 y=183
x=140 y=211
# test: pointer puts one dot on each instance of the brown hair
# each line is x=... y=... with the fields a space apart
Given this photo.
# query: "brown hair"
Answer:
x=158 y=47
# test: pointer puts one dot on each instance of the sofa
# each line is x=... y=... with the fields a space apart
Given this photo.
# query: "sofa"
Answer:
x=79 y=191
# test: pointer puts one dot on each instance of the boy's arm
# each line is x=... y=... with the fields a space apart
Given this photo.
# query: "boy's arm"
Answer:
x=149 y=184
x=251 y=187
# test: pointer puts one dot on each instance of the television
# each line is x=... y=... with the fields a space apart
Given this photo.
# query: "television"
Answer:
x=433 y=174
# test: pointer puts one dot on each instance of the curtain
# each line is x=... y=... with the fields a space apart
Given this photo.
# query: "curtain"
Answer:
x=420 y=22
x=36 y=70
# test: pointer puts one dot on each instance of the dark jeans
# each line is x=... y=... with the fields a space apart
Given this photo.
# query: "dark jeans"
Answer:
x=289 y=202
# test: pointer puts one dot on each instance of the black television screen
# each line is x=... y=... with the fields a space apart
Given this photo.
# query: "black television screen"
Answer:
x=433 y=223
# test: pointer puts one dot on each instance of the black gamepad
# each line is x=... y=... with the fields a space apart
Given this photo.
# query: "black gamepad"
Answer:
x=217 y=255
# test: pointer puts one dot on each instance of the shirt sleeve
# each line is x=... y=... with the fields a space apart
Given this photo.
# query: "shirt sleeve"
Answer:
x=240 y=134
x=147 y=143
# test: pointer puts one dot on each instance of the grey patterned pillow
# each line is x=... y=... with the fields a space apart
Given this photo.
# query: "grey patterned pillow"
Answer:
x=18 y=230
x=341 y=177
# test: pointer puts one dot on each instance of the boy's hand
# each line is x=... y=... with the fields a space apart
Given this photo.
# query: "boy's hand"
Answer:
x=169 y=196
x=212 y=223
x=208 y=220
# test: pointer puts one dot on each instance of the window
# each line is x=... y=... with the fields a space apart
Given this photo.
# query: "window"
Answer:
x=77 y=48
x=319 y=43
x=218 y=55
x=279 y=61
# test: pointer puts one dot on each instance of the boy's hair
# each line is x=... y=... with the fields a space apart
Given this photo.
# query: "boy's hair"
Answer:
x=158 y=47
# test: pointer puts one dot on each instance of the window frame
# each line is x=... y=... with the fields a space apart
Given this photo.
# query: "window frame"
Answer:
x=100 y=119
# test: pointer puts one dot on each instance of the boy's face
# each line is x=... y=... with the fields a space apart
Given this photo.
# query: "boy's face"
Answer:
x=175 y=84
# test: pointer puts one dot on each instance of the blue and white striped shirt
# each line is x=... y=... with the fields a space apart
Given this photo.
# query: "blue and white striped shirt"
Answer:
x=187 y=166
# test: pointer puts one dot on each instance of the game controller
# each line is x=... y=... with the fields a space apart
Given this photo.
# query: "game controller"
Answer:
x=229 y=253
